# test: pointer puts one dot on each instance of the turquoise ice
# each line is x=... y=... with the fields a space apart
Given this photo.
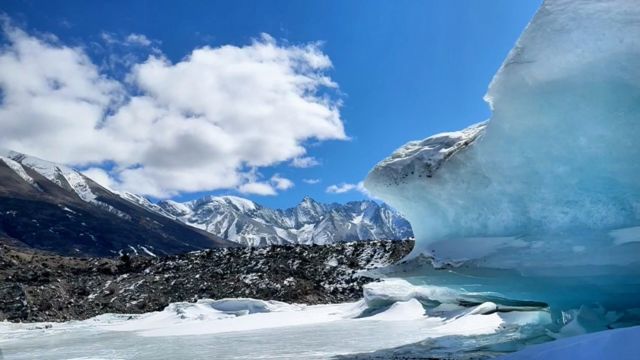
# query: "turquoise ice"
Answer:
x=542 y=201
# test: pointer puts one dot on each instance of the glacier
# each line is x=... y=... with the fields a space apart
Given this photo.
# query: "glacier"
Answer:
x=542 y=201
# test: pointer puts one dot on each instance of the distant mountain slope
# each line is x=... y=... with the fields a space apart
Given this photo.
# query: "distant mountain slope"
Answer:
x=245 y=222
x=55 y=208
x=52 y=207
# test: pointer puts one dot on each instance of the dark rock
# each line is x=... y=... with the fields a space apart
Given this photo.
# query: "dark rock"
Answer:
x=43 y=287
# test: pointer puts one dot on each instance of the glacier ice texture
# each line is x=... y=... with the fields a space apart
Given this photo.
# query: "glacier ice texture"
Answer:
x=542 y=201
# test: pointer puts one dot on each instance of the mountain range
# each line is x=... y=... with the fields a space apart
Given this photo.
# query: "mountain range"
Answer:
x=53 y=207
x=310 y=222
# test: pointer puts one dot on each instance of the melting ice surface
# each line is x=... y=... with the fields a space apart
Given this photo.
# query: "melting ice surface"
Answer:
x=541 y=202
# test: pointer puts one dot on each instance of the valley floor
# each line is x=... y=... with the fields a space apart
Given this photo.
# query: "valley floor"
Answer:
x=37 y=287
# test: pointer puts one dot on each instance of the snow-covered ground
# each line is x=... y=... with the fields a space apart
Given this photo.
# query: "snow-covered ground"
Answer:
x=393 y=314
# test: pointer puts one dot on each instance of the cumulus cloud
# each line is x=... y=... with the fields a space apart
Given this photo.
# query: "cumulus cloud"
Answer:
x=304 y=162
x=203 y=123
x=53 y=100
x=343 y=188
x=311 y=181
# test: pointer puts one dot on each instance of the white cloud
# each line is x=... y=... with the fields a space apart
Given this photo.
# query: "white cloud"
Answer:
x=132 y=39
x=257 y=188
x=304 y=162
x=311 y=181
x=265 y=188
x=108 y=38
x=53 y=100
x=138 y=39
x=100 y=176
x=200 y=124
x=117 y=54
x=341 y=188
x=281 y=183
x=347 y=187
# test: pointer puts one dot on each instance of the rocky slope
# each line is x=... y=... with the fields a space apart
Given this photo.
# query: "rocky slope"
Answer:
x=52 y=207
x=248 y=223
x=39 y=287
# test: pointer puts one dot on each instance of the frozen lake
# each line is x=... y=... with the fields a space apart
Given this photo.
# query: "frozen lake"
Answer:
x=318 y=341
x=395 y=317
x=393 y=314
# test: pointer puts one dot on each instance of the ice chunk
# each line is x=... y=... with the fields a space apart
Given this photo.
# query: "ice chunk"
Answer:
x=549 y=187
x=246 y=306
x=403 y=310
x=389 y=291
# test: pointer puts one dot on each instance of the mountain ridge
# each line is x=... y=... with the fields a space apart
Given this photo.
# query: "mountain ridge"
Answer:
x=52 y=207
x=227 y=220
x=310 y=222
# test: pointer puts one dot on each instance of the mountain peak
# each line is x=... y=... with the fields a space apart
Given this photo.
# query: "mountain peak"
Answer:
x=308 y=200
x=239 y=203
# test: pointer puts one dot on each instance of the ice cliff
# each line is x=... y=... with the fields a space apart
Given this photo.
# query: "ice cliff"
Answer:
x=541 y=202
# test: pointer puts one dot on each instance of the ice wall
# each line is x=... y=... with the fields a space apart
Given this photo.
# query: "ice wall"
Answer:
x=550 y=185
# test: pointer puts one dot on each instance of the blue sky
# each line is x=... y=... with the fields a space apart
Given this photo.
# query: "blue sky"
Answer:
x=404 y=69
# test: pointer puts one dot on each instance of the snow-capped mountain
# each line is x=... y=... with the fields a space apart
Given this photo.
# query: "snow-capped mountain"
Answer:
x=61 y=210
x=53 y=207
x=248 y=223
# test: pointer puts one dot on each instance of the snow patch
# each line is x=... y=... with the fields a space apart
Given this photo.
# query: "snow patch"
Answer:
x=18 y=169
x=147 y=251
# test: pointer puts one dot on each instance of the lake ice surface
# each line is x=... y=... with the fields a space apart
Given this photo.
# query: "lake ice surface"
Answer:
x=393 y=313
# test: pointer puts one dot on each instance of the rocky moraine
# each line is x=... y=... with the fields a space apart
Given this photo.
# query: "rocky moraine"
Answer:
x=35 y=286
